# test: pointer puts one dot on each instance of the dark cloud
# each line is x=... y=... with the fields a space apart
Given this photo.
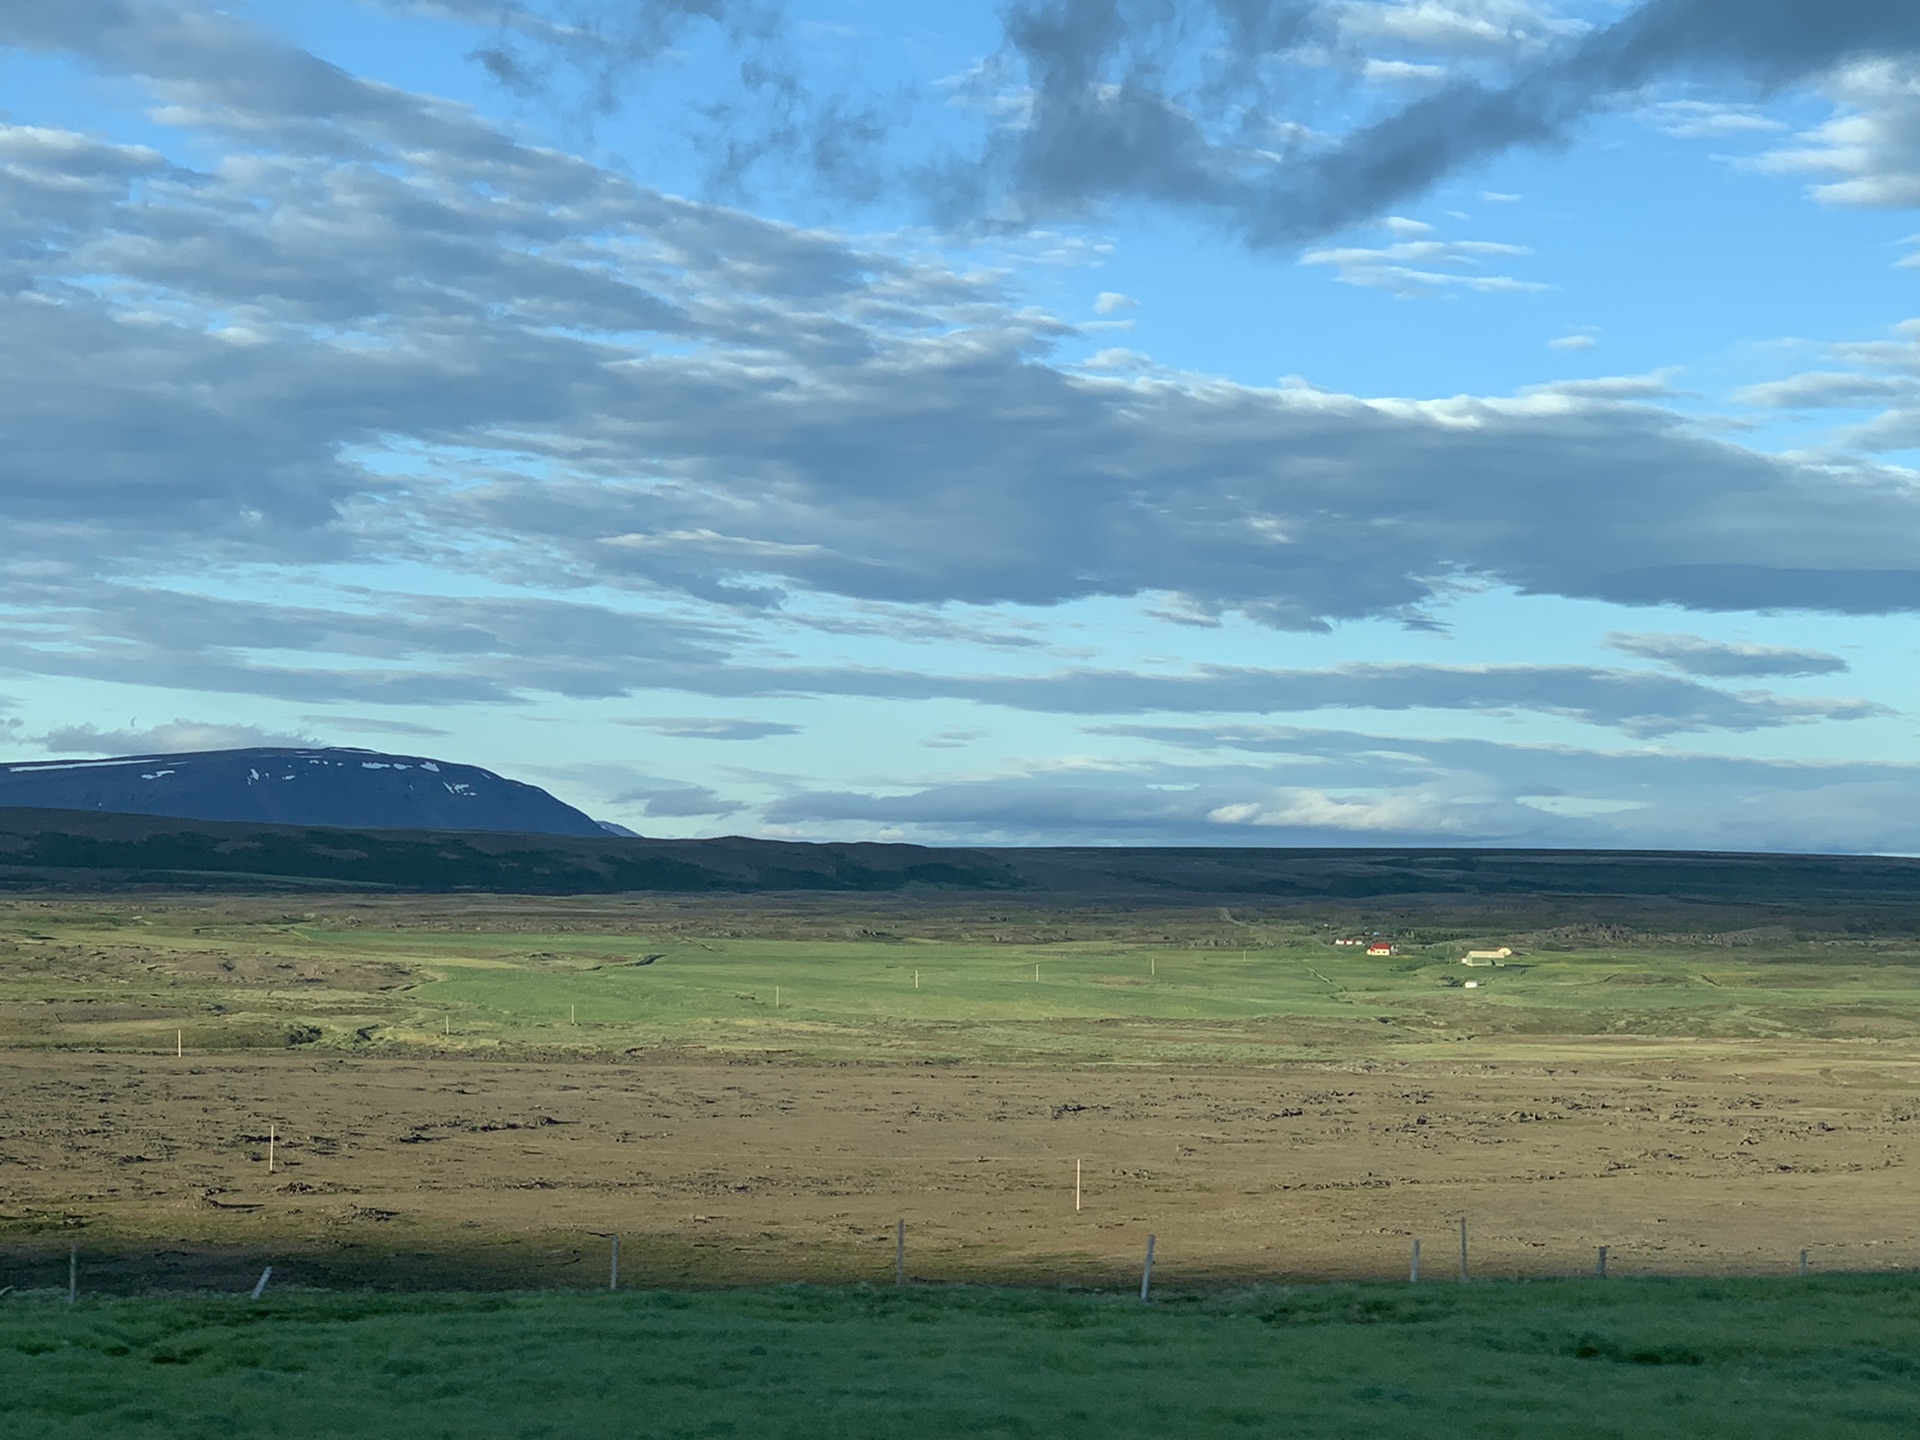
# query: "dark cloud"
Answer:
x=388 y=333
x=1199 y=106
x=682 y=802
x=1635 y=702
x=1234 y=110
x=595 y=48
x=1768 y=43
x=1694 y=656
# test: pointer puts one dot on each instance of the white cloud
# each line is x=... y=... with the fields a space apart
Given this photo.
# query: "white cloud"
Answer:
x=1415 y=267
x=1872 y=145
x=1455 y=28
x=1693 y=655
x=1706 y=119
x=693 y=727
x=175 y=737
x=1285 y=786
x=1574 y=342
x=1109 y=302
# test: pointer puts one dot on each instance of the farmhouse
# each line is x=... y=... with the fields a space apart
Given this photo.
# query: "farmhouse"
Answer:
x=1349 y=940
x=1381 y=947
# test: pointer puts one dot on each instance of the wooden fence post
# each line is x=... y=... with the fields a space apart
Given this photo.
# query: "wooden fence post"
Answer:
x=1463 y=1249
x=900 y=1251
x=1600 y=1263
x=73 y=1272
x=1146 y=1274
x=1413 y=1270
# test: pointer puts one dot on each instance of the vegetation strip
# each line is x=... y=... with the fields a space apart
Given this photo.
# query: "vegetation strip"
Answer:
x=1832 y=1356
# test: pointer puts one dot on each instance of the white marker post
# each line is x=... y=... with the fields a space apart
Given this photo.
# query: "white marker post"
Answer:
x=273 y=1136
x=260 y=1285
x=572 y=1017
x=1036 y=974
x=1146 y=1274
x=1413 y=1269
x=776 y=997
x=1076 y=1187
x=916 y=979
x=179 y=1044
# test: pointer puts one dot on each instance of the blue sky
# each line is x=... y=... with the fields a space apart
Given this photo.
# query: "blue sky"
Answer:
x=1065 y=421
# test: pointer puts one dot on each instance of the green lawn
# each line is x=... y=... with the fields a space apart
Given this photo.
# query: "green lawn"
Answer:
x=506 y=977
x=1826 y=1356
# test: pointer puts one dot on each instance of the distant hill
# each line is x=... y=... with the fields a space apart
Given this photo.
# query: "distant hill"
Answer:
x=361 y=789
x=70 y=850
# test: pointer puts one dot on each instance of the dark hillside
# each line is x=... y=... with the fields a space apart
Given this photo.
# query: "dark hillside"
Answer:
x=363 y=789
x=67 y=849
x=78 y=848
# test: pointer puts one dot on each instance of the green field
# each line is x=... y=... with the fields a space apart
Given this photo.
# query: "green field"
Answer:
x=927 y=982
x=1830 y=1356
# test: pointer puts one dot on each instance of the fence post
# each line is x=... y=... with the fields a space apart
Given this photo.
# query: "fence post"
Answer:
x=1463 y=1249
x=1413 y=1270
x=1803 y=1262
x=1146 y=1274
x=260 y=1285
x=73 y=1272
x=1600 y=1263
x=613 y=1265
x=900 y=1251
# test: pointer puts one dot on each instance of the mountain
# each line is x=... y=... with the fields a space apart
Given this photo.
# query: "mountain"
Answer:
x=358 y=789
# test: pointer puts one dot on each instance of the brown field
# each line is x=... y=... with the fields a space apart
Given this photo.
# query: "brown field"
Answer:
x=772 y=1151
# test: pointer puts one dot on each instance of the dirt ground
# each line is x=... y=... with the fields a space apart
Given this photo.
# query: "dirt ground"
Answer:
x=1683 y=1159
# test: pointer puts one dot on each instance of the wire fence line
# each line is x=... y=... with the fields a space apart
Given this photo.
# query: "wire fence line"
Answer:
x=76 y=1272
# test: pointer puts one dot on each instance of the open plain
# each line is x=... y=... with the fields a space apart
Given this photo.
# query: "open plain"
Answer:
x=477 y=1090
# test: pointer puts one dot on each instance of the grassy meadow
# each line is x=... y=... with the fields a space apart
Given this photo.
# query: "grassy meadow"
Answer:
x=922 y=983
x=1828 y=1356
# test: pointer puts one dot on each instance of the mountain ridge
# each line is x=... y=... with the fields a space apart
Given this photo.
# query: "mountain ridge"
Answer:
x=296 y=785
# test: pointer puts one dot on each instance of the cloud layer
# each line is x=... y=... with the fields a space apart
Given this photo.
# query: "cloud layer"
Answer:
x=328 y=393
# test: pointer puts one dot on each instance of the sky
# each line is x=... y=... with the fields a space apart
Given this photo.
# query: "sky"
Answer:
x=1222 y=422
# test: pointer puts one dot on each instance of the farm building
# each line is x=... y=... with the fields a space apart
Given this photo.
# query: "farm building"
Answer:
x=1349 y=940
x=1488 y=957
x=1381 y=947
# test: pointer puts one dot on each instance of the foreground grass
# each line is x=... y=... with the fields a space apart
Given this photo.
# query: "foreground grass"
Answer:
x=1828 y=1356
